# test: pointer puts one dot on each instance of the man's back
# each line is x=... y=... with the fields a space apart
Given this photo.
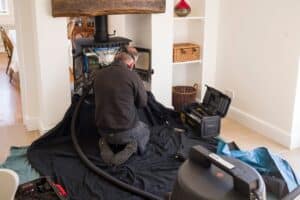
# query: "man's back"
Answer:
x=119 y=93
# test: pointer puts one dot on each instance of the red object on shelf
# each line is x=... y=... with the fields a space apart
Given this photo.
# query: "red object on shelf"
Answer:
x=183 y=4
x=182 y=8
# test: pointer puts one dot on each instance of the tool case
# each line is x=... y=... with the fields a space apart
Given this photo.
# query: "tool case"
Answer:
x=205 y=118
x=41 y=189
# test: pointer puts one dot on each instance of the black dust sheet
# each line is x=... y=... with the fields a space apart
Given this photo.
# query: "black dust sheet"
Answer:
x=53 y=155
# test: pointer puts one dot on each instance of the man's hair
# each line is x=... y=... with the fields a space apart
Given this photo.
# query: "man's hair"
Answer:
x=127 y=54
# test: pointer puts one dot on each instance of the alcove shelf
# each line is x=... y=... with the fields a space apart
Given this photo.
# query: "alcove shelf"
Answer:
x=190 y=29
x=189 y=18
x=188 y=62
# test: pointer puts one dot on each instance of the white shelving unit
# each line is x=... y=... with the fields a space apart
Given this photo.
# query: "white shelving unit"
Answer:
x=189 y=18
x=188 y=62
x=190 y=29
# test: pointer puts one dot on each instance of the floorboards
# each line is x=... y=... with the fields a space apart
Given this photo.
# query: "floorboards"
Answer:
x=10 y=99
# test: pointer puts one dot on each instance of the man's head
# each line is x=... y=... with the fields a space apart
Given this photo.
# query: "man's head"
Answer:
x=128 y=56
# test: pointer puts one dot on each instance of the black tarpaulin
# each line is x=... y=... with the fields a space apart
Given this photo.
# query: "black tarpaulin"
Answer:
x=155 y=172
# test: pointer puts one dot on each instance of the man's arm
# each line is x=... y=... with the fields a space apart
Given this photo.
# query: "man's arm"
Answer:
x=141 y=96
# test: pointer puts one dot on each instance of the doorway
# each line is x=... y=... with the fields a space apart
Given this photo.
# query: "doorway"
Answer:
x=10 y=95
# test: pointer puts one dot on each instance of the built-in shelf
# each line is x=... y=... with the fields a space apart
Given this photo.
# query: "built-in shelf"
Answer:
x=188 y=62
x=191 y=29
x=189 y=18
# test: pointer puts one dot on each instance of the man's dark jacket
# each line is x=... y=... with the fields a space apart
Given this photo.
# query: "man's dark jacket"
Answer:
x=118 y=94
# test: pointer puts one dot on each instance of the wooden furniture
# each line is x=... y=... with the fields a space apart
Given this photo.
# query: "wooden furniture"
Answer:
x=63 y=8
x=83 y=31
x=9 y=48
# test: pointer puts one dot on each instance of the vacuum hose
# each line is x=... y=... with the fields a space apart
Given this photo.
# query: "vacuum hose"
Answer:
x=96 y=169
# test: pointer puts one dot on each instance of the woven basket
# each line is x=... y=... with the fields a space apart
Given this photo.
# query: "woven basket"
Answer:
x=183 y=95
x=183 y=52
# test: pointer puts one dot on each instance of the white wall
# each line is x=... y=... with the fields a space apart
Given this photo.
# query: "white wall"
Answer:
x=117 y=23
x=212 y=10
x=258 y=52
x=155 y=31
x=138 y=29
x=44 y=71
x=162 y=51
x=52 y=58
x=8 y=20
x=28 y=73
x=295 y=139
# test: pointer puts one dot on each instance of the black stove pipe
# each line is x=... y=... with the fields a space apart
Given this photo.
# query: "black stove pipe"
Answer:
x=101 y=29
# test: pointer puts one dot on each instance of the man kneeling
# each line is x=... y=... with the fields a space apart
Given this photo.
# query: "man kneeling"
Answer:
x=119 y=92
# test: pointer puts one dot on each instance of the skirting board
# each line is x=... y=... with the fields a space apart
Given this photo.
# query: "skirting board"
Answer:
x=34 y=124
x=44 y=129
x=31 y=123
x=268 y=130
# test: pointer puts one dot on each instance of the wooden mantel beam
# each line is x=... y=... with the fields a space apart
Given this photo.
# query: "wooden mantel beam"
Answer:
x=73 y=8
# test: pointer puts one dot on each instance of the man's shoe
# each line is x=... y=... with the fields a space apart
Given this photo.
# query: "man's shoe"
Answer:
x=125 y=154
x=105 y=151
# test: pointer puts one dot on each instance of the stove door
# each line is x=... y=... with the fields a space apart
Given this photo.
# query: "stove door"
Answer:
x=143 y=64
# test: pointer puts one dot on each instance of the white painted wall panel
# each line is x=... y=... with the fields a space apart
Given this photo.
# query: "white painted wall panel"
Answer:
x=258 y=52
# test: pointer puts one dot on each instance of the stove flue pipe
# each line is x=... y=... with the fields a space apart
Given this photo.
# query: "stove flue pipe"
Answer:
x=101 y=29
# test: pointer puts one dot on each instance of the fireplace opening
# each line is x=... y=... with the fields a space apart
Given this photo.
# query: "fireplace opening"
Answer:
x=96 y=49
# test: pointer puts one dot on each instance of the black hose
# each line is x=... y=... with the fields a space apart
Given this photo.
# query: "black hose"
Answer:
x=97 y=170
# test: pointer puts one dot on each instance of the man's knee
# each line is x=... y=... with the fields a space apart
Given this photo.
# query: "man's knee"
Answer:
x=140 y=133
x=143 y=137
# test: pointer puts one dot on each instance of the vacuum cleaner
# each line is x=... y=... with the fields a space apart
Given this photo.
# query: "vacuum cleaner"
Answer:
x=207 y=176
x=203 y=176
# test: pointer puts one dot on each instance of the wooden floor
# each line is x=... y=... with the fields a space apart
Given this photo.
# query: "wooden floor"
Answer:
x=10 y=99
x=13 y=133
x=12 y=130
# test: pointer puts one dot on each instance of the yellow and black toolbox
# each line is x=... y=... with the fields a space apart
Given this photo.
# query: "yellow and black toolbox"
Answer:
x=205 y=118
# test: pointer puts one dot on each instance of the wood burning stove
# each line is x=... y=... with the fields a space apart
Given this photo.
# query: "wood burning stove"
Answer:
x=99 y=52
x=88 y=53
x=90 y=56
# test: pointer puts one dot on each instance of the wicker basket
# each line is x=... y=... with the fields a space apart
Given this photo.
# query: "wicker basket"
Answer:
x=183 y=95
x=183 y=52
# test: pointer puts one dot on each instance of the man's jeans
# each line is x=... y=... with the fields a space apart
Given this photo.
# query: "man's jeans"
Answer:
x=140 y=134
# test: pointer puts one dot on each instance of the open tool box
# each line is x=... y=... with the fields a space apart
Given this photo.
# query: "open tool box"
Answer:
x=205 y=118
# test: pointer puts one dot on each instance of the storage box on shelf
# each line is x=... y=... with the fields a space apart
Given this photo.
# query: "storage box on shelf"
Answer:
x=183 y=52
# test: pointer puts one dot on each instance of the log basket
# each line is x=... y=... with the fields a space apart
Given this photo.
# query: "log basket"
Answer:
x=183 y=95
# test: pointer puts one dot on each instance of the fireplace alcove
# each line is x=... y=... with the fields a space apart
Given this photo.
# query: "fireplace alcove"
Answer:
x=45 y=68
